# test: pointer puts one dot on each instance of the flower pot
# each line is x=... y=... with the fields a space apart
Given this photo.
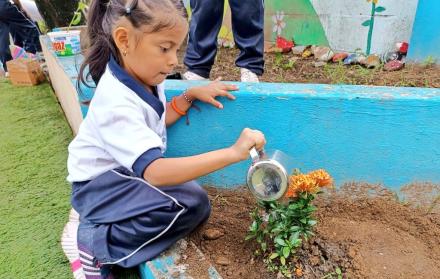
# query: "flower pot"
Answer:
x=65 y=43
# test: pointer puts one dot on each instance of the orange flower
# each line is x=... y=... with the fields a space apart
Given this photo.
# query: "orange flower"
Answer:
x=291 y=192
x=322 y=178
x=301 y=183
x=298 y=272
x=374 y=1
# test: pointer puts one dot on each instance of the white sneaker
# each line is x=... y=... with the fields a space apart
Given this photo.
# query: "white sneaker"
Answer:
x=69 y=244
x=7 y=74
x=192 y=76
x=248 y=76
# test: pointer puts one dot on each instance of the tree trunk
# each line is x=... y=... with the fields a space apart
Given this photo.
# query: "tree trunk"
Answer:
x=57 y=13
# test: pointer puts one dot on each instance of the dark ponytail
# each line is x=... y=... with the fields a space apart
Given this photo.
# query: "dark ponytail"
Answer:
x=101 y=18
x=101 y=44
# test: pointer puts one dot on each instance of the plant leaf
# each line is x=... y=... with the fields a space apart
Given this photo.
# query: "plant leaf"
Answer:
x=283 y=260
x=303 y=220
x=380 y=9
x=81 y=6
x=286 y=252
x=312 y=222
x=249 y=236
x=294 y=237
x=366 y=23
x=280 y=241
x=263 y=246
x=76 y=18
x=338 y=270
x=294 y=228
x=297 y=242
x=254 y=226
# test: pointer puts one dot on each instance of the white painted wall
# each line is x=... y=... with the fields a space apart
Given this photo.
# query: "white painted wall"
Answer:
x=342 y=23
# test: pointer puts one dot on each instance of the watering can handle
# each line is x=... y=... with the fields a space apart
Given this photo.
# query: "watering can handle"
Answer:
x=256 y=155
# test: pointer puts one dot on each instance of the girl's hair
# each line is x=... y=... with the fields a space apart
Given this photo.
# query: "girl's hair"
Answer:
x=101 y=18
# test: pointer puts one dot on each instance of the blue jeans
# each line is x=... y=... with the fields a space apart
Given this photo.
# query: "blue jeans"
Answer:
x=247 y=27
x=24 y=32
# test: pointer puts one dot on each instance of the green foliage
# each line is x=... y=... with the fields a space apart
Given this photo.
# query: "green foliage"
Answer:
x=77 y=15
x=337 y=274
x=429 y=61
x=280 y=62
x=280 y=229
x=57 y=13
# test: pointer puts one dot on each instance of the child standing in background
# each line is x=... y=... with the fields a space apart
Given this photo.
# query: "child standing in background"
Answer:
x=134 y=203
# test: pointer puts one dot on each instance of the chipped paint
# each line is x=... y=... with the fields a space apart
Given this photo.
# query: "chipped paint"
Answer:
x=172 y=264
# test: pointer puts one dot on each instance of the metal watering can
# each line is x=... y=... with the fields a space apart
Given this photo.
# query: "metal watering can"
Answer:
x=267 y=177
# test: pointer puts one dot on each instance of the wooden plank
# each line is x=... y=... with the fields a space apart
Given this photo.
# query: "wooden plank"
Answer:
x=64 y=89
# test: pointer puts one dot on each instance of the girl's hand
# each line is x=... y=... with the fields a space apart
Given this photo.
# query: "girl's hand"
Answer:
x=208 y=92
x=247 y=140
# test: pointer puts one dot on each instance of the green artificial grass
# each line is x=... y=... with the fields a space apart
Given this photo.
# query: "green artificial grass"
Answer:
x=34 y=193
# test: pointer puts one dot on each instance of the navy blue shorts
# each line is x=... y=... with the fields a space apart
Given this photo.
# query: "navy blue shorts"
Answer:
x=126 y=221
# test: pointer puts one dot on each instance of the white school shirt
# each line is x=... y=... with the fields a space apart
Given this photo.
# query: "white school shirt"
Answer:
x=125 y=125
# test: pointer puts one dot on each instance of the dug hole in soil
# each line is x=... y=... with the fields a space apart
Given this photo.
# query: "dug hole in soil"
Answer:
x=365 y=230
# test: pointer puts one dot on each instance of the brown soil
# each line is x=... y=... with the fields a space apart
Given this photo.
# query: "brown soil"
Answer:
x=304 y=71
x=365 y=230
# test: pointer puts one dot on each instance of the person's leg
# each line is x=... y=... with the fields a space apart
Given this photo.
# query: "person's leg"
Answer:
x=126 y=221
x=247 y=27
x=5 y=53
x=206 y=21
x=70 y=245
x=24 y=31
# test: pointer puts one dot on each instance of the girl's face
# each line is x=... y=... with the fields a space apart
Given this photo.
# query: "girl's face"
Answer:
x=152 y=56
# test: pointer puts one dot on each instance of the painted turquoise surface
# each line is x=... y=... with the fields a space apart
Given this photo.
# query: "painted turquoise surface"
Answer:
x=425 y=39
x=375 y=134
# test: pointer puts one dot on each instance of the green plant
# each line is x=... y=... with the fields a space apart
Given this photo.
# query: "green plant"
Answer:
x=279 y=62
x=288 y=65
x=278 y=59
x=337 y=274
x=429 y=61
x=280 y=228
x=77 y=15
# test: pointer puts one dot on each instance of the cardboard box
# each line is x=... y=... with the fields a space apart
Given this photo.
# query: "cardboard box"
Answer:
x=25 y=71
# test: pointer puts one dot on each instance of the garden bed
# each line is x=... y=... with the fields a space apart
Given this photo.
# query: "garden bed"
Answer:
x=278 y=69
x=363 y=230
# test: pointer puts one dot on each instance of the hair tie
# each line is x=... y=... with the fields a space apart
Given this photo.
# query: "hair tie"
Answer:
x=127 y=11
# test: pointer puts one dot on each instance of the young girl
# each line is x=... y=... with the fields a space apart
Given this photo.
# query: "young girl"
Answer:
x=133 y=202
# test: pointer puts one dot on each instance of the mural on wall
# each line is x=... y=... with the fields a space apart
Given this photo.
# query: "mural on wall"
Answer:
x=370 y=22
x=293 y=19
x=367 y=25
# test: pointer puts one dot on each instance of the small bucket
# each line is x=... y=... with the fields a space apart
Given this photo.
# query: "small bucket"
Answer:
x=65 y=43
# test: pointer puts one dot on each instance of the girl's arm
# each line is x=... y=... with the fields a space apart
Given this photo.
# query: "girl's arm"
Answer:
x=205 y=94
x=174 y=171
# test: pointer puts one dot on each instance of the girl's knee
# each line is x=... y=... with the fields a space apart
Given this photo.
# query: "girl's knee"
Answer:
x=199 y=205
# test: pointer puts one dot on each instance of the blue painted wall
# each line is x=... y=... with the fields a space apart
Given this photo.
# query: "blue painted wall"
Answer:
x=374 y=134
x=425 y=40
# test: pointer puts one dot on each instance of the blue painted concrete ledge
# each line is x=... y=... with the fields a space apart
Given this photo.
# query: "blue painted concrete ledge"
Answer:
x=388 y=135
x=358 y=133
